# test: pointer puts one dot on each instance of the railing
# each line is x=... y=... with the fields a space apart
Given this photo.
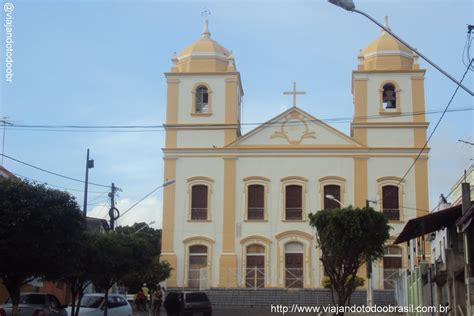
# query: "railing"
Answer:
x=255 y=277
x=392 y=214
x=255 y=213
x=199 y=213
x=294 y=213
x=198 y=278
x=294 y=277
x=390 y=277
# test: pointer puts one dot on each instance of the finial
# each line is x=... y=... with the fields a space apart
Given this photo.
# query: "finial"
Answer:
x=205 y=31
x=231 y=62
x=386 y=23
x=174 y=59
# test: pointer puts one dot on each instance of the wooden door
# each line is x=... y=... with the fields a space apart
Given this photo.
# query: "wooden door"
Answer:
x=294 y=270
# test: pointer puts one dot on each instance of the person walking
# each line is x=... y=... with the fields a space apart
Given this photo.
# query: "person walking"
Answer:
x=157 y=300
x=146 y=292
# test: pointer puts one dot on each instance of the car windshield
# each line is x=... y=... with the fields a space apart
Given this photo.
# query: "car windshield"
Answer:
x=196 y=297
x=91 y=301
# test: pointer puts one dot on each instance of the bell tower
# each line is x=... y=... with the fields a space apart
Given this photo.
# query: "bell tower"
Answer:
x=388 y=91
x=204 y=93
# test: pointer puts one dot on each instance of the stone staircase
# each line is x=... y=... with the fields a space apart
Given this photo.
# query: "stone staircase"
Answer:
x=263 y=298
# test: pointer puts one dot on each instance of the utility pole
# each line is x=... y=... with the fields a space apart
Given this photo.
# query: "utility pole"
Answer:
x=89 y=165
x=370 y=293
x=5 y=123
x=114 y=213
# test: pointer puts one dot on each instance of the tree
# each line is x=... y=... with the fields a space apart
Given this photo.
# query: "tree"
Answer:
x=113 y=256
x=347 y=238
x=154 y=271
x=39 y=231
x=77 y=274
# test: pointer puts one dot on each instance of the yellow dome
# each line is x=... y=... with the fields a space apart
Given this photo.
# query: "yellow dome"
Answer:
x=386 y=53
x=204 y=45
x=204 y=55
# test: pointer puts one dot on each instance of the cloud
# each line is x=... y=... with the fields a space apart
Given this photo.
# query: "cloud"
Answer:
x=148 y=210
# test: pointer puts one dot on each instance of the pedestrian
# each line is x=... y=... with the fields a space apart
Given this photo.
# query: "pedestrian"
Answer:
x=157 y=300
x=140 y=301
x=146 y=292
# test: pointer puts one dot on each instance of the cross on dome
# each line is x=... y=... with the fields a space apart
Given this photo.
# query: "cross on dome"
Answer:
x=205 y=31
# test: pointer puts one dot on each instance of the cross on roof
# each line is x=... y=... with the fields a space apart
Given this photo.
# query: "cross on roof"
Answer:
x=206 y=13
x=294 y=93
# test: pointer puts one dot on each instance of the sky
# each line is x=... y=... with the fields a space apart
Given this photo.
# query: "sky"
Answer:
x=102 y=63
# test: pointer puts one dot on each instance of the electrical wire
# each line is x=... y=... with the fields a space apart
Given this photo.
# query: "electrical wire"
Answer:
x=161 y=128
x=54 y=185
x=431 y=134
x=51 y=172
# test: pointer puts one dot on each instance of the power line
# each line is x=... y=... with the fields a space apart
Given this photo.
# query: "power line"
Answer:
x=437 y=124
x=432 y=132
x=160 y=128
x=56 y=186
x=51 y=172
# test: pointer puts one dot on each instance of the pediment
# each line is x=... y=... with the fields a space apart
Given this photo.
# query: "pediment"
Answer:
x=297 y=128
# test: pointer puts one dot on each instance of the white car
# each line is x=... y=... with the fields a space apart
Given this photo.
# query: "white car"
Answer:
x=93 y=305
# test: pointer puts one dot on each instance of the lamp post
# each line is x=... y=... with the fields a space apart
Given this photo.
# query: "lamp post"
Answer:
x=331 y=197
x=350 y=6
x=370 y=287
x=144 y=226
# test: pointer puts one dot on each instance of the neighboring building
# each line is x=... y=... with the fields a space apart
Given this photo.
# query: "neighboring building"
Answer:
x=5 y=173
x=446 y=279
x=237 y=215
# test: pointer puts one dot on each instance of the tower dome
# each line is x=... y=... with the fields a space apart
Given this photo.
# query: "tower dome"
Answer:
x=387 y=53
x=204 y=55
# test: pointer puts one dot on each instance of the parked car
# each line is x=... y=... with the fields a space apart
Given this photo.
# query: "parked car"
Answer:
x=187 y=303
x=93 y=305
x=37 y=304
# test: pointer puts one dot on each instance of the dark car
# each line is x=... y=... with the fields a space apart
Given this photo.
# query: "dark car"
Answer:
x=39 y=304
x=187 y=304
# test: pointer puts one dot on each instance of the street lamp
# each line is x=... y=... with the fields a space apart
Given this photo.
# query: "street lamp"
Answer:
x=143 y=227
x=350 y=6
x=370 y=287
x=331 y=197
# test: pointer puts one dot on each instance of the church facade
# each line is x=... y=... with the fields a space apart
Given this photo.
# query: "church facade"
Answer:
x=237 y=215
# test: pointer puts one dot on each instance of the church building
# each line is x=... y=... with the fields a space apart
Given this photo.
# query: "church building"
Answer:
x=237 y=215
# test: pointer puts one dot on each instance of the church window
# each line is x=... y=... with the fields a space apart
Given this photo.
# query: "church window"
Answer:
x=392 y=262
x=256 y=202
x=294 y=202
x=390 y=202
x=389 y=96
x=202 y=100
x=335 y=191
x=199 y=202
x=197 y=262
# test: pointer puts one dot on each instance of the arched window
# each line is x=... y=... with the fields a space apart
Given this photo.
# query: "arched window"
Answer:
x=202 y=100
x=294 y=265
x=294 y=202
x=335 y=191
x=197 y=261
x=199 y=203
x=389 y=96
x=392 y=262
x=255 y=270
x=390 y=202
x=255 y=202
